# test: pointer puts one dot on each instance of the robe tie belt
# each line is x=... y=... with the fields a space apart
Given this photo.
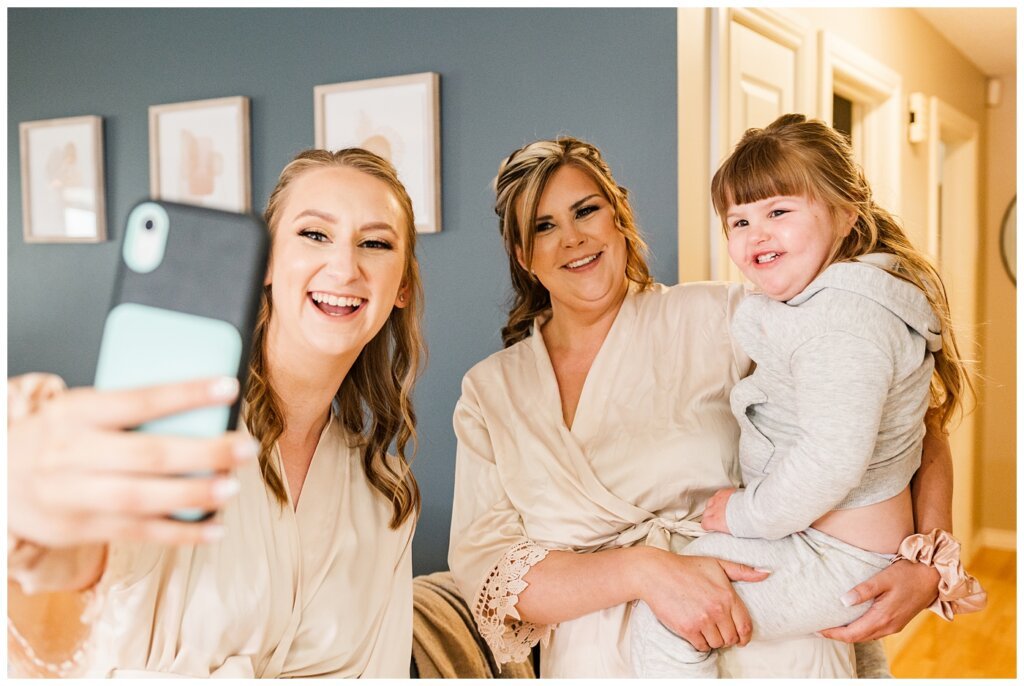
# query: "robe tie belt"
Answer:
x=657 y=533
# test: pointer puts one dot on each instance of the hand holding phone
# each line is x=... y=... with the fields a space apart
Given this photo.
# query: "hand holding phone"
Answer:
x=76 y=477
x=185 y=304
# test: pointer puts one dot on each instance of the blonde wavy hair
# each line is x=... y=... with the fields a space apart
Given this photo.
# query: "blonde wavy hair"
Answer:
x=522 y=177
x=375 y=399
x=800 y=157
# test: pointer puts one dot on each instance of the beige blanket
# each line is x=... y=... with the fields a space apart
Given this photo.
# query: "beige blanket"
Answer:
x=445 y=642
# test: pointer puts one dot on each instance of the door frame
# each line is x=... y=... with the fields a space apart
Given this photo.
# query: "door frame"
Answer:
x=955 y=251
x=877 y=93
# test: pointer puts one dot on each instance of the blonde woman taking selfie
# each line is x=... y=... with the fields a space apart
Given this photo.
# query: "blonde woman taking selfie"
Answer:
x=306 y=570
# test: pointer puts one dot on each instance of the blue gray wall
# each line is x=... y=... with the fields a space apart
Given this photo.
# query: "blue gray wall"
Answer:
x=507 y=77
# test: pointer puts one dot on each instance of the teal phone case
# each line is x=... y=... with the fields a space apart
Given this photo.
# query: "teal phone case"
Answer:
x=162 y=346
x=185 y=304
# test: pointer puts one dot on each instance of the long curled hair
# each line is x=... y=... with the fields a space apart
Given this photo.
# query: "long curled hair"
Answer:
x=521 y=180
x=800 y=157
x=375 y=399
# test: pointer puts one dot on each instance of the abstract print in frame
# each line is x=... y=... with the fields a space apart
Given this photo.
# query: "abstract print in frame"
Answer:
x=397 y=118
x=199 y=153
x=62 y=187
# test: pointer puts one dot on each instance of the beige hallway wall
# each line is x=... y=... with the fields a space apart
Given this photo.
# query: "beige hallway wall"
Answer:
x=906 y=43
x=996 y=497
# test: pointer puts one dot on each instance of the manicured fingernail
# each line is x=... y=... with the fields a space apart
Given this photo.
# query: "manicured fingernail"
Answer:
x=225 y=488
x=245 y=449
x=224 y=388
x=818 y=634
x=849 y=599
x=213 y=532
x=763 y=570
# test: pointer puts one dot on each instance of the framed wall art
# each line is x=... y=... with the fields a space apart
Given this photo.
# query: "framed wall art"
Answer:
x=399 y=119
x=62 y=188
x=199 y=153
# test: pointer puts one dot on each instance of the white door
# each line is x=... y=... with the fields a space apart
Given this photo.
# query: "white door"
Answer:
x=762 y=79
x=768 y=76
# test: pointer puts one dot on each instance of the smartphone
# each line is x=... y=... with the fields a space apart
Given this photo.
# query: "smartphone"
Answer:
x=185 y=304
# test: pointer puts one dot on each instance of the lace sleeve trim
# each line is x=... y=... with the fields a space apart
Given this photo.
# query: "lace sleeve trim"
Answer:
x=509 y=638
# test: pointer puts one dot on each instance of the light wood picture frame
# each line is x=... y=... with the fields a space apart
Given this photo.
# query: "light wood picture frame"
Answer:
x=199 y=153
x=398 y=118
x=62 y=182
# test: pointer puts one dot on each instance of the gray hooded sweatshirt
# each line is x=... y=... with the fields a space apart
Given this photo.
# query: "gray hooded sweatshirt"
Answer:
x=833 y=415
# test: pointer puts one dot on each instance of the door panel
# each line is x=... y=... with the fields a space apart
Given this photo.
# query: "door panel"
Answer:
x=763 y=78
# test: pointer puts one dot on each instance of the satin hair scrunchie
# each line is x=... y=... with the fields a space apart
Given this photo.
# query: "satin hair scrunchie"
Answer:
x=959 y=592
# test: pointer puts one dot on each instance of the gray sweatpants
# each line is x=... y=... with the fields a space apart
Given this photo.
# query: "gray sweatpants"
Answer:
x=810 y=571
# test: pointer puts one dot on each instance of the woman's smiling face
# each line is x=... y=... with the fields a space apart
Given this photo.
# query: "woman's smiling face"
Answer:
x=579 y=253
x=337 y=262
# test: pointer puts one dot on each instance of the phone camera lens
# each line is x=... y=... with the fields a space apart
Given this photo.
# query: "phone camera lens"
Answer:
x=149 y=225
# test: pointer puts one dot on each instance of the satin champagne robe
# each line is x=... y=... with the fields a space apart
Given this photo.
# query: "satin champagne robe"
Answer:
x=653 y=437
x=324 y=589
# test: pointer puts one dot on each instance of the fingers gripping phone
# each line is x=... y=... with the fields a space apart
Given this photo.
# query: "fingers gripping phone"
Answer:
x=185 y=303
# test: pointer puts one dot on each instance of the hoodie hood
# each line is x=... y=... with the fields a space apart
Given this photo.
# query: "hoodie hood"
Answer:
x=869 y=278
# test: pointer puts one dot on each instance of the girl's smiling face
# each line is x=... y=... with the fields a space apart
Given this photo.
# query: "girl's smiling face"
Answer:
x=337 y=262
x=782 y=243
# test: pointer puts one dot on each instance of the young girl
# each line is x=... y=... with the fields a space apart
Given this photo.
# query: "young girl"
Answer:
x=852 y=342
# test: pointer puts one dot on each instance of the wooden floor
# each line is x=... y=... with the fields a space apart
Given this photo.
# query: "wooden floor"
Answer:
x=980 y=645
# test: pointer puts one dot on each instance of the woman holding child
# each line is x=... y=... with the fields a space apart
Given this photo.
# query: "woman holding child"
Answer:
x=590 y=445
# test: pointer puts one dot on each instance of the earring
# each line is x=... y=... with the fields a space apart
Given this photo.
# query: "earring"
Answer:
x=401 y=298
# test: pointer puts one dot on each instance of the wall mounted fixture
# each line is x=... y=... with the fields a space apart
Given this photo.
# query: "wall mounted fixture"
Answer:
x=916 y=126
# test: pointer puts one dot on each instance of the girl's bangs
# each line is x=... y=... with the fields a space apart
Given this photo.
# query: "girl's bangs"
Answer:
x=759 y=172
x=757 y=179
